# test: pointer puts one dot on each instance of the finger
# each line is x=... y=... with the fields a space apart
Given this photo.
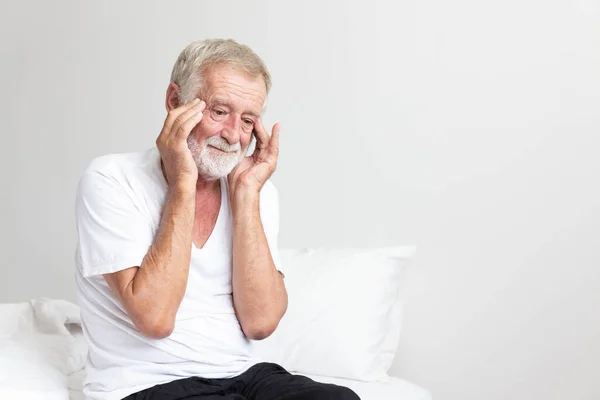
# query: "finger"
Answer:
x=185 y=116
x=184 y=130
x=176 y=112
x=262 y=137
x=274 y=141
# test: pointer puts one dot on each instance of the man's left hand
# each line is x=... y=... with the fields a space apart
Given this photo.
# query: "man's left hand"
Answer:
x=253 y=171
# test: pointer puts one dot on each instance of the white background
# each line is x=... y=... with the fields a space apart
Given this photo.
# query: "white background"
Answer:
x=469 y=128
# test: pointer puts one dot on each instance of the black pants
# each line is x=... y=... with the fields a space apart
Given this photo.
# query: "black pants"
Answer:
x=264 y=381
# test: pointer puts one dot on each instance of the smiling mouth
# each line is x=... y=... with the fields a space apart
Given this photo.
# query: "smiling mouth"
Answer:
x=221 y=151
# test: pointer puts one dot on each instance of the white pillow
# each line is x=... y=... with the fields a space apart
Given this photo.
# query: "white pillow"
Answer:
x=344 y=313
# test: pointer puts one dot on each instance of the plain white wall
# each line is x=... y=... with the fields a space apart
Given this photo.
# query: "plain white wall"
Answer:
x=468 y=128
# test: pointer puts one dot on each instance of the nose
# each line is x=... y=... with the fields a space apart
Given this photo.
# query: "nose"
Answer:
x=232 y=129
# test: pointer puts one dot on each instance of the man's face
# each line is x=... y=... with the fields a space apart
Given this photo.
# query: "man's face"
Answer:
x=234 y=102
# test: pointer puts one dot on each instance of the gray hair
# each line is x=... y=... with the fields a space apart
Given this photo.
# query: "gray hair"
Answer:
x=202 y=56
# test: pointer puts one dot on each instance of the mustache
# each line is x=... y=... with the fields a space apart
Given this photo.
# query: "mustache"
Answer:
x=222 y=144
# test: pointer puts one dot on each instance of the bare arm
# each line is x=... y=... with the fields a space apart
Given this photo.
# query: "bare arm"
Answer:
x=151 y=293
x=260 y=296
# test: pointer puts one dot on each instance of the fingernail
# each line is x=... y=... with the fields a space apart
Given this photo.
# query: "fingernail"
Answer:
x=196 y=100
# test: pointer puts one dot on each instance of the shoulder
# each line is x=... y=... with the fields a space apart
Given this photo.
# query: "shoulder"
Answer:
x=116 y=173
x=121 y=168
x=118 y=165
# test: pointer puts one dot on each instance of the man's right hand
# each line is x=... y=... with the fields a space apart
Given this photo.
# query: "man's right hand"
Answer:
x=178 y=163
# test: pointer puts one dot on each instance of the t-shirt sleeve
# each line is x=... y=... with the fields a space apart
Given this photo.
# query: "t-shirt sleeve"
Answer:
x=269 y=211
x=113 y=233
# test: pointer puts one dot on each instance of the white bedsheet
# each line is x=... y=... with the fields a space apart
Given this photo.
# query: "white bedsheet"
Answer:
x=39 y=349
x=42 y=355
x=393 y=389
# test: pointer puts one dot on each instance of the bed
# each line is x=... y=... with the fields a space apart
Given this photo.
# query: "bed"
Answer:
x=43 y=352
x=42 y=355
x=394 y=389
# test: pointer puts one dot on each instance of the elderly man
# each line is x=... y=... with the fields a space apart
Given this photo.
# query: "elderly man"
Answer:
x=177 y=246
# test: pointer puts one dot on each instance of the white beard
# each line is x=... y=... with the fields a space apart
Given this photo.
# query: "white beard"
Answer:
x=213 y=164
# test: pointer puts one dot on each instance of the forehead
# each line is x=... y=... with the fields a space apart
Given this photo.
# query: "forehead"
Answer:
x=235 y=88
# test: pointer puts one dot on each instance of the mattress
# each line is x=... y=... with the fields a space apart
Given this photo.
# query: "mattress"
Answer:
x=43 y=352
x=393 y=389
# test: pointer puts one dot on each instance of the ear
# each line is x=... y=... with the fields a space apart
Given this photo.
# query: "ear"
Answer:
x=172 y=98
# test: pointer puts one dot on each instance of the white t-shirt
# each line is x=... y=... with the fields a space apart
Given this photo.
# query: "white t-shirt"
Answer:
x=118 y=208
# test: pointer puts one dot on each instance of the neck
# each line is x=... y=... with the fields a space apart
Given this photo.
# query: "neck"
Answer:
x=202 y=185
x=205 y=186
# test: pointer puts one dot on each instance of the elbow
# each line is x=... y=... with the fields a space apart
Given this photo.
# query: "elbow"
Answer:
x=258 y=332
x=259 y=329
x=157 y=328
x=260 y=325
